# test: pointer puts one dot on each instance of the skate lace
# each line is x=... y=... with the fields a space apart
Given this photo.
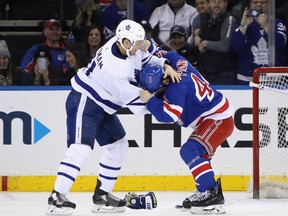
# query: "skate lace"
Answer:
x=114 y=198
x=199 y=196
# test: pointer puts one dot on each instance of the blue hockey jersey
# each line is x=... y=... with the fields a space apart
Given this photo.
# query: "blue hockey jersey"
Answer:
x=252 y=49
x=191 y=101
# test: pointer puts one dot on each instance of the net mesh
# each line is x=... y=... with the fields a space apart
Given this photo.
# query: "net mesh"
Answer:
x=273 y=127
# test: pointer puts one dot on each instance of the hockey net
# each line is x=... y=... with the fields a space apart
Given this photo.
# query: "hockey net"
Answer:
x=270 y=132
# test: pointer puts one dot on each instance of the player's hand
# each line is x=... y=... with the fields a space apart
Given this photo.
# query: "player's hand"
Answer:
x=145 y=96
x=176 y=77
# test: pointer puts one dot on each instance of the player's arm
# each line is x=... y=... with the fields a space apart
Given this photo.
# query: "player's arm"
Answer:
x=151 y=49
x=129 y=95
x=162 y=110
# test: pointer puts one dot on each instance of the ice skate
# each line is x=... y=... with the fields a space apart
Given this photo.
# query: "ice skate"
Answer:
x=58 y=204
x=106 y=202
x=208 y=202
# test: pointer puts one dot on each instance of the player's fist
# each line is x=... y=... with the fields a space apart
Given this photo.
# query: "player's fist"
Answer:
x=145 y=96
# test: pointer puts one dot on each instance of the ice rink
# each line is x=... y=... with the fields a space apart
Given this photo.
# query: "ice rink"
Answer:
x=237 y=203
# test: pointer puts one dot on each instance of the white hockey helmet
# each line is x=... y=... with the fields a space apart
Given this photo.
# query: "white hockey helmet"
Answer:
x=131 y=30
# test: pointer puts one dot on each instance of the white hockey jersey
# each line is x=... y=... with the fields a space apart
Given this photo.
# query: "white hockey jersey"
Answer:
x=111 y=79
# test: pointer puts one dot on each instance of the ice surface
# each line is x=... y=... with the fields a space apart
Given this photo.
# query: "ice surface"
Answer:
x=237 y=203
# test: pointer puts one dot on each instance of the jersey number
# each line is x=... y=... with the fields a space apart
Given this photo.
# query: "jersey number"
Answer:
x=202 y=89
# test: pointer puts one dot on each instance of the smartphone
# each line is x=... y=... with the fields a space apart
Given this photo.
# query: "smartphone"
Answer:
x=3 y=72
x=254 y=12
x=42 y=63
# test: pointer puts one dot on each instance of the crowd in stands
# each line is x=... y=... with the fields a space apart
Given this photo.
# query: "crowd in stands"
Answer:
x=226 y=40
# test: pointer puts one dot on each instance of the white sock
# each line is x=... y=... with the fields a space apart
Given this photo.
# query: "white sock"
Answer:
x=110 y=163
x=70 y=166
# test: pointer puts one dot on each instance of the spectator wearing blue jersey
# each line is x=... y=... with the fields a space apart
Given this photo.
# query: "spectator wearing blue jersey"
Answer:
x=114 y=13
x=250 y=41
x=54 y=51
x=194 y=103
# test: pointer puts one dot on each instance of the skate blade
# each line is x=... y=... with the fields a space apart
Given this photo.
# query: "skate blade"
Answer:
x=107 y=209
x=53 y=210
x=207 y=210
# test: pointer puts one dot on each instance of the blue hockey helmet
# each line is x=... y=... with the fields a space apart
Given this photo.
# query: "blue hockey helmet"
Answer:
x=151 y=77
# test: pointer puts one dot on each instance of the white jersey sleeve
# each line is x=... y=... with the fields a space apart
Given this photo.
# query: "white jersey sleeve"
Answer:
x=110 y=79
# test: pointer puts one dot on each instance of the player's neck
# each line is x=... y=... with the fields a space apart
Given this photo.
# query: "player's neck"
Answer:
x=121 y=49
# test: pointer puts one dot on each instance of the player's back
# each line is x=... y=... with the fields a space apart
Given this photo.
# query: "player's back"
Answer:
x=194 y=94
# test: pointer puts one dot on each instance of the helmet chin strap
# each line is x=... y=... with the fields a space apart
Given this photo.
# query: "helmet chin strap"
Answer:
x=127 y=50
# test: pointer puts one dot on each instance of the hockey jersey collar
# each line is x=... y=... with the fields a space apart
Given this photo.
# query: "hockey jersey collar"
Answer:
x=116 y=52
x=61 y=45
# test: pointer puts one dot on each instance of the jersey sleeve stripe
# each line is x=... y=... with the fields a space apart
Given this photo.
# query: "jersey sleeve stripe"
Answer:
x=172 y=111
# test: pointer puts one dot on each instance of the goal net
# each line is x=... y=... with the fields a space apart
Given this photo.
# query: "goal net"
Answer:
x=270 y=132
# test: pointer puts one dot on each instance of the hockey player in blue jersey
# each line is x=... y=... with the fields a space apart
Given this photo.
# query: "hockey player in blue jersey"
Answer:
x=191 y=103
x=106 y=84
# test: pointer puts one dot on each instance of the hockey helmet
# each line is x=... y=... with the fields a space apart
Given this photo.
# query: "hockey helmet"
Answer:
x=131 y=30
x=151 y=77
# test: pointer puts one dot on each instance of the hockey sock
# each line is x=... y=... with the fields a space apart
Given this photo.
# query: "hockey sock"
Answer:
x=203 y=174
x=70 y=166
x=192 y=153
x=110 y=163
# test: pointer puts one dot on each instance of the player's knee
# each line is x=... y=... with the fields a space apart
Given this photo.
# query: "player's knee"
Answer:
x=191 y=149
x=118 y=149
x=78 y=153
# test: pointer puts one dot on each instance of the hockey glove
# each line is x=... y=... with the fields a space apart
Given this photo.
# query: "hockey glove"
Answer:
x=147 y=201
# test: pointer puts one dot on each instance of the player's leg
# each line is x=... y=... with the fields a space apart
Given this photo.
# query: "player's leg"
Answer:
x=112 y=137
x=197 y=152
x=82 y=115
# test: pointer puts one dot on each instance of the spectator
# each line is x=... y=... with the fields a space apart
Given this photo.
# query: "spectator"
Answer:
x=202 y=6
x=216 y=57
x=54 y=52
x=281 y=13
x=87 y=15
x=152 y=4
x=113 y=14
x=105 y=3
x=250 y=41
x=94 y=41
x=148 y=30
x=76 y=58
x=7 y=69
x=178 y=42
x=175 y=12
x=238 y=9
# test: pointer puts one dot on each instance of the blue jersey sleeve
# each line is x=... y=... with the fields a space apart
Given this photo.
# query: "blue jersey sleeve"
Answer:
x=156 y=107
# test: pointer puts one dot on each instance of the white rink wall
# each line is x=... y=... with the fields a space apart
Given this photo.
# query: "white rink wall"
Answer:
x=161 y=158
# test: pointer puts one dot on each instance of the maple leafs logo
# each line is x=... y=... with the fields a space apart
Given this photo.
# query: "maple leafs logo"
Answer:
x=260 y=52
x=134 y=80
x=128 y=27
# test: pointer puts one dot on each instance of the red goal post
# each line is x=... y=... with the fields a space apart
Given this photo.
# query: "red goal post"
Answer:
x=270 y=132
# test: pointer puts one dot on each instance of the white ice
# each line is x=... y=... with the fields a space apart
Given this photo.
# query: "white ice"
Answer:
x=237 y=203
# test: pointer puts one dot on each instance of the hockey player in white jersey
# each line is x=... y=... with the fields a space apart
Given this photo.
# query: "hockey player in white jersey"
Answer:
x=98 y=91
